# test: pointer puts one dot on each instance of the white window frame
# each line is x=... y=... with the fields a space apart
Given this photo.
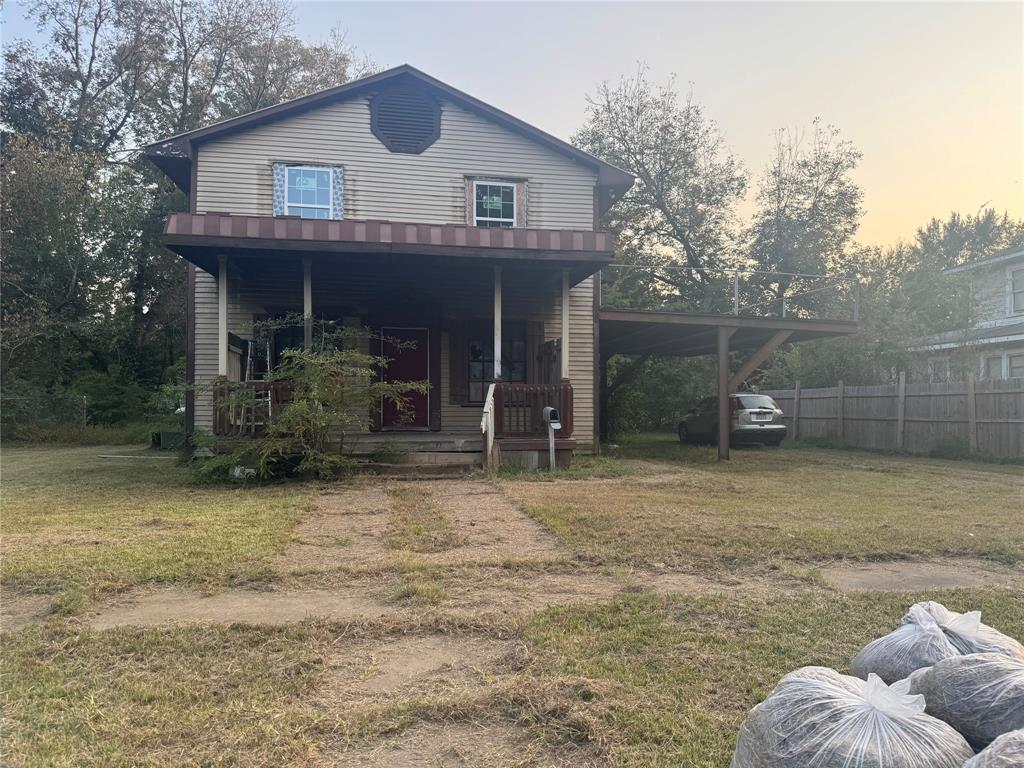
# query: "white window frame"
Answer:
x=515 y=203
x=330 y=190
x=1011 y=307
x=1009 y=362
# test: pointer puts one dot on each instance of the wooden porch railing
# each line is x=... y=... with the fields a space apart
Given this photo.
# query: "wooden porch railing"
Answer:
x=247 y=407
x=518 y=409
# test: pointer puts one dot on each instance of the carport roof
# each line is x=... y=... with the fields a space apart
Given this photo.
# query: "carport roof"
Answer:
x=682 y=334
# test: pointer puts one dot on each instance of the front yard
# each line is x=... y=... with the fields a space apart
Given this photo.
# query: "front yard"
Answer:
x=656 y=598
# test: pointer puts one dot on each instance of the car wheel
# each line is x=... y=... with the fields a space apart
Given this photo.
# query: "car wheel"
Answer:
x=684 y=433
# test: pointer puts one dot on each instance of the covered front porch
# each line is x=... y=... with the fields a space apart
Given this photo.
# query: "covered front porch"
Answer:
x=500 y=329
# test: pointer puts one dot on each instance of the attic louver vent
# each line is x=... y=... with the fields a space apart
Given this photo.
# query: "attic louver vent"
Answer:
x=405 y=120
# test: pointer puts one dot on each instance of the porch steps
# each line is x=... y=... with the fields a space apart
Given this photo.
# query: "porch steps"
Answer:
x=399 y=446
x=417 y=468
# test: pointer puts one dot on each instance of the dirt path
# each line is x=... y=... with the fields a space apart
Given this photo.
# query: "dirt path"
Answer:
x=916 y=575
x=349 y=528
x=17 y=609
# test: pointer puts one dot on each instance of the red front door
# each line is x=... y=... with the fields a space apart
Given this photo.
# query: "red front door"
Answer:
x=408 y=353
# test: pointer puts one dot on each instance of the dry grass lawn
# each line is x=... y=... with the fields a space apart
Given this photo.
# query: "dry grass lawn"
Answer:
x=766 y=506
x=80 y=526
x=593 y=664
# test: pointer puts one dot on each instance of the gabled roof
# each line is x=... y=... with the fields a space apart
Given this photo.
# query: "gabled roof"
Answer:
x=1002 y=257
x=174 y=154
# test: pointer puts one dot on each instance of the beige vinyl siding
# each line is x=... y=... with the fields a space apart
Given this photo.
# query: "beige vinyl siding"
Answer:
x=277 y=285
x=206 y=348
x=234 y=174
x=581 y=361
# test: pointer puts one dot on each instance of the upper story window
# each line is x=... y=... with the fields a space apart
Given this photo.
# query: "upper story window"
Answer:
x=309 y=192
x=494 y=204
x=1017 y=291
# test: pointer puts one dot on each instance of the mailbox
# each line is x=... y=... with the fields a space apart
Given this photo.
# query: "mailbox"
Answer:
x=554 y=422
x=551 y=417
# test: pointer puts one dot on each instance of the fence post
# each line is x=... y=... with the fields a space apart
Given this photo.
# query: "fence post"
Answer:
x=972 y=414
x=796 y=410
x=85 y=410
x=901 y=409
x=841 y=395
x=736 y=293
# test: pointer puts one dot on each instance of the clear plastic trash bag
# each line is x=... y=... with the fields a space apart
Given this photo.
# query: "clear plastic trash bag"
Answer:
x=981 y=694
x=818 y=718
x=966 y=631
x=1005 y=752
x=918 y=642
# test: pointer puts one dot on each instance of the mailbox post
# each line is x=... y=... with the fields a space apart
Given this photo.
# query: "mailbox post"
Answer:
x=554 y=422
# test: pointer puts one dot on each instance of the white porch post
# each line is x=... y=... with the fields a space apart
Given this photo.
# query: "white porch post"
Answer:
x=497 y=323
x=307 y=303
x=222 y=316
x=565 y=323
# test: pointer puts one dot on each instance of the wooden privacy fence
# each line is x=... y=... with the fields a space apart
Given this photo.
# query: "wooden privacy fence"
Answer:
x=983 y=417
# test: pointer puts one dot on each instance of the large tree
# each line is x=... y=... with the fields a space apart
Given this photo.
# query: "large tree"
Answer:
x=85 y=276
x=86 y=87
x=808 y=210
x=678 y=222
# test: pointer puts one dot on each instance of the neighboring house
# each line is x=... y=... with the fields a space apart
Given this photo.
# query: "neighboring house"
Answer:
x=398 y=203
x=993 y=346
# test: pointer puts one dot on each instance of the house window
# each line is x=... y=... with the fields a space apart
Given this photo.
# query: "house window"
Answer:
x=938 y=370
x=1017 y=366
x=1017 y=291
x=308 y=193
x=993 y=367
x=494 y=204
x=481 y=359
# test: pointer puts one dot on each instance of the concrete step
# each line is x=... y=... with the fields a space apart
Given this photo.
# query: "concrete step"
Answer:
x=420 y=471
x=437 y=458
x=405 y=443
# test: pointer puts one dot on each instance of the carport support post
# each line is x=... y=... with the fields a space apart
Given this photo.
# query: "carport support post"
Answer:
x=796 y=410
x=724 y=334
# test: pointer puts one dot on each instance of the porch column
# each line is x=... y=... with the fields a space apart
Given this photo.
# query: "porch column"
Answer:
x=307 y=303
x=724 y=334
x=222 y=315
x=565 y=324
x=497 y=323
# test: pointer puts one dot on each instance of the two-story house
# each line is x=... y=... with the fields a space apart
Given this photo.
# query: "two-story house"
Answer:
x=400 y=204
x=993 y=346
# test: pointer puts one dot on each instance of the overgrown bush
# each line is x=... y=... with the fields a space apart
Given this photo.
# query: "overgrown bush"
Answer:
x=335 y=388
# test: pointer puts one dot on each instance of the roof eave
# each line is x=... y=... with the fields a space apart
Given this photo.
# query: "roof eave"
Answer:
x=990 y=261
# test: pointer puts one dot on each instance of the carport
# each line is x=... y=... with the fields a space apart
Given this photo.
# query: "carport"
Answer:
x=681 y=334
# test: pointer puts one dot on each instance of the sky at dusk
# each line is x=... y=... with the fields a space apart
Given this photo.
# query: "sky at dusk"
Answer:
x=931 y=93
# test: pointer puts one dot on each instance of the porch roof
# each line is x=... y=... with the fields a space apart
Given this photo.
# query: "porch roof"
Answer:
x=200 y=237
